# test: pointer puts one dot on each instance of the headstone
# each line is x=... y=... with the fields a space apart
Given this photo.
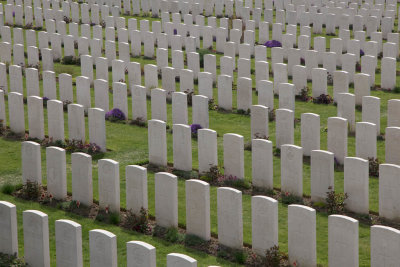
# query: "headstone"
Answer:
x=337 y=138
x=356 y=179
x=97 y=128
x=180 y=260
x=342 y=241
x=207 y=149
x=284 y=127
x=182 y=147
x=76 y=122
x=259 y=122
x=157 y=139
x=109 y=188
x=384 y=245
x=8 y=229
x=68 y=243
x=103 y=248
x=36 y=238
x=322 y=174
x=198 y=208
x=140 y=254
x=35 y=117
x=82 y=188
x=166 y=199
x=292 y=170
x=56 y=167
x=16 y=113
x=233 y=155
x=136 y=188
x=264 y=212
x=302 y=235
x=262 y=163
x=230 y=220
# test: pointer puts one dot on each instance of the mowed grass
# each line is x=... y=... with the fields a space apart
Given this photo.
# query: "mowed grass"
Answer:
x=128 y=145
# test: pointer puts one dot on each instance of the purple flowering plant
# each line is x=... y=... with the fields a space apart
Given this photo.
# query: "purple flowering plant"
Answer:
x=361 y=52
x=115 y=115
x=194 y=129
x=273 y=43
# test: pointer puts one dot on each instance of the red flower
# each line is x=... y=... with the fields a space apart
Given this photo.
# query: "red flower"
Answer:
x=78 y=204
x=106 y=210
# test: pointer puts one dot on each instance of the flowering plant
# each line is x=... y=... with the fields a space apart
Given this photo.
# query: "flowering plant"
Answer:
x=115 y=115
x=361 y=52
x=194 y=129
x=273 y=43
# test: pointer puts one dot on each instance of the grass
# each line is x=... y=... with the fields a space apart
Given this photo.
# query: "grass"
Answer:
x=128 y=145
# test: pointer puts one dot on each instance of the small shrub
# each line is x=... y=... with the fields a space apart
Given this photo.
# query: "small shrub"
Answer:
x=288 y=198
x=193 y=240
x=214 y=173
x=240 y=257
x=139 y=223
x=273 y=257
x=7 y=189
x=194 y=128
x=100 y=217
x=79 y=146
x=114 y=218
x=374 y=167
x=115 y=115
x=271 y=115
x=243 y=112
x=172 y=235
x=212 y=105
x=11 y=260
x=233 y=181
x=335 y=201
x=304 y=95
x=277 y=152
x=329 y=78
x=323 y=99
x=68 y=60
x=139 y=122
x=30 y=190
x=247 y=146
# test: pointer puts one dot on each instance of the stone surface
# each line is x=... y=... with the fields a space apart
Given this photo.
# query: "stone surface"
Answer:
x=166 y=199
x=68 y=243
x=302 y=235
x=264 y=212
x=109 y=186
x=230 y=221
x=36 y=238
x=103 y=248
x=342 y=241
x=140 y=254
x=198 y=208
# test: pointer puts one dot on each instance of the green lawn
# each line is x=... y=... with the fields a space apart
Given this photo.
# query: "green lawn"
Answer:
x=128 y=145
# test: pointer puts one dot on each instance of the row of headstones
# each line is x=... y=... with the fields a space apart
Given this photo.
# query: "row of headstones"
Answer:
x=68 y=243
x=176 y=42
x=55 y=122
x=61 y=25
x=305 y=18
x=322 y=162
x=346 y=108
x=227 y=65
x=199 y=30
x=343 y=236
